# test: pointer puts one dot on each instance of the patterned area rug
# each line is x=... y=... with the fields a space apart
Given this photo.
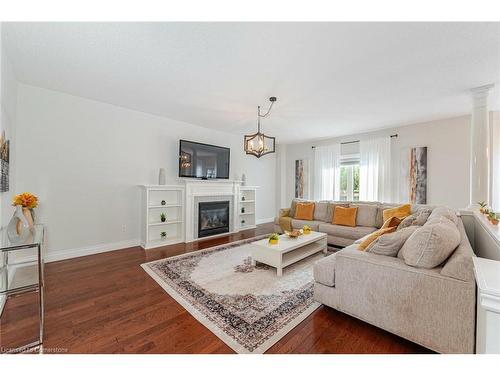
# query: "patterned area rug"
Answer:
x=248 y=307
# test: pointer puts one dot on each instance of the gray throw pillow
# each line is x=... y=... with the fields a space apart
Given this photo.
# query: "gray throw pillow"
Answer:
x=321 y=211
x=431 y=244
x=366 y=216
x=418 y=218
x=389 y=244
x=446 y=212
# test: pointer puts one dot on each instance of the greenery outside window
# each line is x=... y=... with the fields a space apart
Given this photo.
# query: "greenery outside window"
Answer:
x=349 y=178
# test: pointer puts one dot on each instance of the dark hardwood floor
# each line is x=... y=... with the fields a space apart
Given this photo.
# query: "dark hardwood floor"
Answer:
x=106 y=303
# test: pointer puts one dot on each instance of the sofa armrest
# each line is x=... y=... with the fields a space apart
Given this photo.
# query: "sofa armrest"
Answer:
x=284 y=212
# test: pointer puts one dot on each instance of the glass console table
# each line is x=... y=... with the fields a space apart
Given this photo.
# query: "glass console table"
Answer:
x=21 y=271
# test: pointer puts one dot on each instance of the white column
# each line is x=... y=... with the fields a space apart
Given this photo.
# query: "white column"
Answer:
x=480 y=143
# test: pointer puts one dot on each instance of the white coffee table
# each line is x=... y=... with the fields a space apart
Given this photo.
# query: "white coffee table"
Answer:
x=288 y=250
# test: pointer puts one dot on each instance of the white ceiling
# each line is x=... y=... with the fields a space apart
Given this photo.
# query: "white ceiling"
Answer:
x=331 y=79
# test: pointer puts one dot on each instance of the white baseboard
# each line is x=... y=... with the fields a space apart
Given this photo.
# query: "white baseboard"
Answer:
x=54 y=256
x=264 y=221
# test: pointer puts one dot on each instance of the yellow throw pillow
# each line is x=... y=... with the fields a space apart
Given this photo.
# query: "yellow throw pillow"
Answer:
x=372 y=237
x=391 y=222
x=304 y=211
x=345 y=216
x=400 y=212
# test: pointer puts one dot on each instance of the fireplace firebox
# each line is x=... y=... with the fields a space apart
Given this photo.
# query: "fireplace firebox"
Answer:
x=213 y=218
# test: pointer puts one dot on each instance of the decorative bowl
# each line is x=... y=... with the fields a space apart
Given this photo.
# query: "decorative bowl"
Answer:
x=294 y=233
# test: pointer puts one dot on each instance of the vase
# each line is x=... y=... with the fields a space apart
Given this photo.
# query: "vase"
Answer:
x=162 y=177
x=18 y=228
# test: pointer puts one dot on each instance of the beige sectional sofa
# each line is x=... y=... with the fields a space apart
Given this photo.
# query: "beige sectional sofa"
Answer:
x=368 y=220
x=432 y=307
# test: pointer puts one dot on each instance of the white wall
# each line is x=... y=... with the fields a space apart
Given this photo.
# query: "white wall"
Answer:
x=8 y=94
x=85 y=160
x=447 y=142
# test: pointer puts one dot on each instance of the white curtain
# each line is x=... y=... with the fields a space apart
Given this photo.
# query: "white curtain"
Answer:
x=495 y=165
x=327 y=172
x=375 y=169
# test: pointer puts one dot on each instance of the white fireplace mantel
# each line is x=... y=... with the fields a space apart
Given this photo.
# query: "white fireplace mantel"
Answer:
x=179 y=203
x=197 y=189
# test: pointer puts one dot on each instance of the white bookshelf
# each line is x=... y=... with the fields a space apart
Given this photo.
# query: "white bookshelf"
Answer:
x=246 y=207
x=158 y=199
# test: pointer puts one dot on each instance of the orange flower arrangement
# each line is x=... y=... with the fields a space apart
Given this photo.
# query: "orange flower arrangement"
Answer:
x=27 y=200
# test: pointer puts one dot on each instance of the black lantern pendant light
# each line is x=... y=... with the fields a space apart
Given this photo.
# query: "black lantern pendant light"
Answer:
x=259 y=144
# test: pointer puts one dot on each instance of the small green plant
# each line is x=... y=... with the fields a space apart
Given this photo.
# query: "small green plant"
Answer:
x=482 y=206
x=493 y=217
x=163 y=217
x=273 y=238
x=163 y=235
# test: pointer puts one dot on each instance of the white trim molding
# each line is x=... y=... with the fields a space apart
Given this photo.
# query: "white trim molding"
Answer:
x=265 y=221
x=54 y=256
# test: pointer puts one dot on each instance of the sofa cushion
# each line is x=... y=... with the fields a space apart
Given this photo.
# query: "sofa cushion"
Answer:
x=459 y=265
x=304 y=211
x=321 y=211
x=373 y=236
x=444 y=211
x=390 y=243
x=366 y=215
x=400 y=212
x=345 y=216
x=313 y=224
x=293 y=205
x=431 y=244
x=380 y=210
x=352 y=233
x=331 y=210
x=417 y=218
x=324 y=270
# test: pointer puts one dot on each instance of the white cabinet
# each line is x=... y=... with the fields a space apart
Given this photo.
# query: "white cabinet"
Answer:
x=162 y=218
x=246 y=207
x=487 y=273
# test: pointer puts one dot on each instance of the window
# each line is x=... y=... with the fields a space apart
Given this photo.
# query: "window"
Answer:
x=349 y=178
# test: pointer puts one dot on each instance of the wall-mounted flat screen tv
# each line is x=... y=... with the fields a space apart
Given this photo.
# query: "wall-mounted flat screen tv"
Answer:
x=200 y=160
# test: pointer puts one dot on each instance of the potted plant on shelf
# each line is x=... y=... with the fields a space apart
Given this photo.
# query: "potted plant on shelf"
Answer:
x=482 y=206
x=306 y=229
x=274 y=238
x=493 y=218
x=163 y=235
x=163 y=217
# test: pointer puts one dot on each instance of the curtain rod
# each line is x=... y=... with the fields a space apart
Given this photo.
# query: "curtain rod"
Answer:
x=347 y=143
